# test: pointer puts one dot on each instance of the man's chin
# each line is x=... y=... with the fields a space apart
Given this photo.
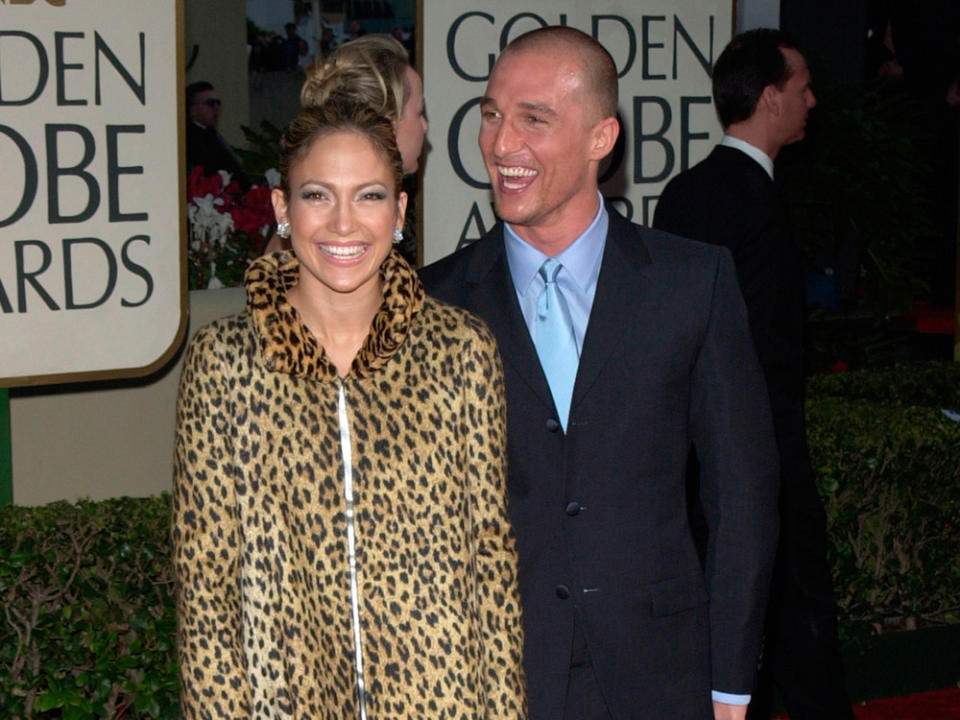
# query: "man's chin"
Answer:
x=508 y=214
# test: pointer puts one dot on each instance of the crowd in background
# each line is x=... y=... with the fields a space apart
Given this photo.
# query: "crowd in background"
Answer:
x=272 y=52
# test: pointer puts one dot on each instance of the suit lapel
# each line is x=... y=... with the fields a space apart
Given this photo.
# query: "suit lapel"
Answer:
x=621 y=289
x=491 y=294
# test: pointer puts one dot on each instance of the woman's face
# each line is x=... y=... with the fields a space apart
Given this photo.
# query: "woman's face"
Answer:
x=342 y=209
x=411 y=126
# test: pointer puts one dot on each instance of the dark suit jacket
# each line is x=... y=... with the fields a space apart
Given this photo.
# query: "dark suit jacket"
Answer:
x=729 y=200
x=599 y=512
x=208 y=149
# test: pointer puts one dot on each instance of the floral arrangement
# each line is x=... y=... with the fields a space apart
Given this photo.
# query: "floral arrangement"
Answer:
x=227 y=227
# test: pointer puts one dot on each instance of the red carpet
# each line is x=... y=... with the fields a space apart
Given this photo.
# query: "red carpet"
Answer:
x=932 y=705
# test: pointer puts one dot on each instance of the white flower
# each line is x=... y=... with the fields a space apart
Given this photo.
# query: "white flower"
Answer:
x=273 y=178
x=214 y=282
x=206 y=222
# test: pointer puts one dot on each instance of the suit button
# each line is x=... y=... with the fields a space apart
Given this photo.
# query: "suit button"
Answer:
x=553 y=425
x=573 y=508
x=563 y=592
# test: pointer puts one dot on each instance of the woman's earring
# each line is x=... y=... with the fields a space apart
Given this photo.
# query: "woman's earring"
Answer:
x=397 y=235
x=283 y=229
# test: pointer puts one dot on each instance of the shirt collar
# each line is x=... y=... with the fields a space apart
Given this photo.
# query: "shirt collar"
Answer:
x=581 y=259
x=751 y=150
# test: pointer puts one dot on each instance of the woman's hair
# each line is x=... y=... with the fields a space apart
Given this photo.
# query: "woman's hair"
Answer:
x=338 y=114
x=369 y=69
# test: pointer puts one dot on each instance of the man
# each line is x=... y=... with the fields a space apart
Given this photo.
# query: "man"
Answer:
x=294 y=48
x=761 y=89
x=621 y=620
x=206 y=147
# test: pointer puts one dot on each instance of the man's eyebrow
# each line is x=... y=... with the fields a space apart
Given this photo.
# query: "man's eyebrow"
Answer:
x=532 y=106
x=539 y=108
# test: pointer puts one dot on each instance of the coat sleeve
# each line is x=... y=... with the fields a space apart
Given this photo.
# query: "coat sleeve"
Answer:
x=206 y=543
x=498 y=601
x=739 y=478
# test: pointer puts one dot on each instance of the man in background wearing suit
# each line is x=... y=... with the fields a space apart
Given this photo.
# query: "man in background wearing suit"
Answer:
x=206 y=147
x=622 y=346
x=761 y=89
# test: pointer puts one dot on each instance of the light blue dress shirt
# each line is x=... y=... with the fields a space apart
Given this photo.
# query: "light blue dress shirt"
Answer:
x=577 y=281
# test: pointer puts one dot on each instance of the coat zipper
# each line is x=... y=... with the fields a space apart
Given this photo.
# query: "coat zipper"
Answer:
x=346 y=451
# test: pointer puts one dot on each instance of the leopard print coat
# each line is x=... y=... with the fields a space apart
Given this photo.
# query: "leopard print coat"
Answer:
x=267 y=626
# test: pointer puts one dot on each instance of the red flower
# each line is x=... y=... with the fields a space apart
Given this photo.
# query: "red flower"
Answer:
x=200 y=185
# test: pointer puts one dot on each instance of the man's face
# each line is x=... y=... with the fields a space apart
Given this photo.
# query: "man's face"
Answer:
x=537 y=136
x=796 y=98
x=206 y=108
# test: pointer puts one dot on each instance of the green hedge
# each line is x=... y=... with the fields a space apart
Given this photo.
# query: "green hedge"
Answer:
x=927 y=384
x=88 y=622
x=888 y=464
x=86 y=588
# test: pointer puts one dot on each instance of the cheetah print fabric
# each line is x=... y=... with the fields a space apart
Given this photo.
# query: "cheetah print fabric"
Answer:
x=259 y=530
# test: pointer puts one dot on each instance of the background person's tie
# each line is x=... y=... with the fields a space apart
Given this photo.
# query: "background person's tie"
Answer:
x=554 y=340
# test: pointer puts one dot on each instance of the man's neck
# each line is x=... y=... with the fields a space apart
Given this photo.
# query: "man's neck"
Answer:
x=751 y=151
x=556 y=233
x=753 y=132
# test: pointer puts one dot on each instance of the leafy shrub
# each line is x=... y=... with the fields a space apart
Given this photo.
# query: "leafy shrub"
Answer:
x=888 y=466
x=929 y=384
x=88 y=621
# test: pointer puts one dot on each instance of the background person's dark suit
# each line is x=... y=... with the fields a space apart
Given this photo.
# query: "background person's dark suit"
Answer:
x=600 y=512
x=728 y=199
x=207 y=148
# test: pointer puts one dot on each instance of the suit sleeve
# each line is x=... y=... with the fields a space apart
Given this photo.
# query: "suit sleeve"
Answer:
x=206 y=544
x=732 y=430
x=485 y=432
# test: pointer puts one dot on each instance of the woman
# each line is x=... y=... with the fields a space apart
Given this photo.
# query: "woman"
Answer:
x=340 y=534
x=373 y=69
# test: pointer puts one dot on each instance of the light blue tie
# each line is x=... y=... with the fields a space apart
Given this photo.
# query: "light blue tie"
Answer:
x=553 y=337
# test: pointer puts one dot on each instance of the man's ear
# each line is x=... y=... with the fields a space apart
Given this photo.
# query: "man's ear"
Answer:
x=770 y=99
x=605 y=134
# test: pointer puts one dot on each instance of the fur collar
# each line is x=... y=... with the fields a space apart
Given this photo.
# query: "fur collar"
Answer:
x=288 y=346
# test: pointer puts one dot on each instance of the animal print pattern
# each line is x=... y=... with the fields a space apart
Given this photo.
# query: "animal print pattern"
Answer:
x=259 y=532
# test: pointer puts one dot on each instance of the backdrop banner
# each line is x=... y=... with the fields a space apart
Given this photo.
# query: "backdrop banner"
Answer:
x=664 y=51
x=91 y=211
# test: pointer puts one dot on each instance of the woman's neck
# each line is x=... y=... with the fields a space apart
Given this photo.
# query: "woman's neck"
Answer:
x=340 y=322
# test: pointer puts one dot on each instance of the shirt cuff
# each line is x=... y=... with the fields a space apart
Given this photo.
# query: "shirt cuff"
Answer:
x=729 y=698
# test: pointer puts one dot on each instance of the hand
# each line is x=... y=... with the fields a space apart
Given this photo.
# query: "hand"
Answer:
x=724 y=711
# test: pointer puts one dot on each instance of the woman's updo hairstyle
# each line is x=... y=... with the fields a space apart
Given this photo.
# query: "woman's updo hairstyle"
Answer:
x=339 y=113
x=370 y=69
